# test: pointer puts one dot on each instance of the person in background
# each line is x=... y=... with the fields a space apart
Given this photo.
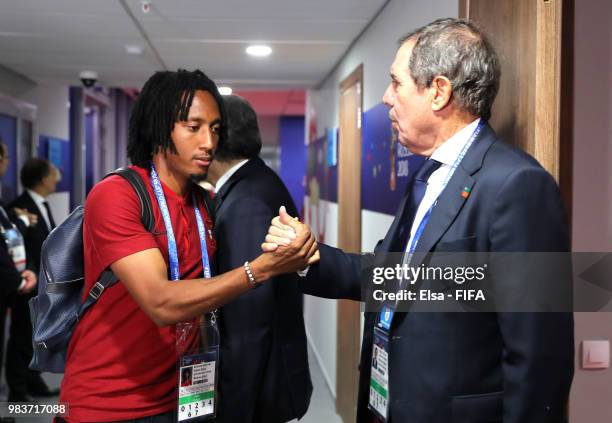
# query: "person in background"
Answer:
x=267 y=324
x=39 y=178
x=13 y=280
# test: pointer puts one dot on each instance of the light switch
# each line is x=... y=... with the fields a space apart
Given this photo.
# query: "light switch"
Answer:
x=595 y=354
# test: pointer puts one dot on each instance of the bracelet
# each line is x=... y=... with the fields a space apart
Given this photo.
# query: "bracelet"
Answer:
x=252 y=282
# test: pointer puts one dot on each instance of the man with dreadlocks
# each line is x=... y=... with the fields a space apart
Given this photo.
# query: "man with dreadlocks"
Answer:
x=122 y=358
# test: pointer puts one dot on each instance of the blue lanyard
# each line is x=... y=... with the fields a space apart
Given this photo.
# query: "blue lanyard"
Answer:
x=423 y=223
x=172 y=250
x=386 y=314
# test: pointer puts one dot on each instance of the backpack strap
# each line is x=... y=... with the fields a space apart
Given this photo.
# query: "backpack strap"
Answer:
x=137 y=183
x=108 y=278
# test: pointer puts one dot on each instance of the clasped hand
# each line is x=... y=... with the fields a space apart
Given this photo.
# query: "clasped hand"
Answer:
x=291 y=242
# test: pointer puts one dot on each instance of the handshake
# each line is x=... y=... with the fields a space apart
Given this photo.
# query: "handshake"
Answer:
x=289 y=245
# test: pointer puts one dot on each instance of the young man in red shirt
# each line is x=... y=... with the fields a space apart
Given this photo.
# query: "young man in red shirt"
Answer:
x=122 y=358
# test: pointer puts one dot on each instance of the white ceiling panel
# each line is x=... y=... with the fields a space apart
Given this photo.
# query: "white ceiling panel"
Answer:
x=270 y=9
x=55 y=40
x=70 y=25
x=254 y=29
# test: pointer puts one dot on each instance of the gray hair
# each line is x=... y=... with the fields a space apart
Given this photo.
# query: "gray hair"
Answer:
x=462 y=52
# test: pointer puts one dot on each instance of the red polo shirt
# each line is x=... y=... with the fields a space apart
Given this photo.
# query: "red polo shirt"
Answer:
x=120 y=364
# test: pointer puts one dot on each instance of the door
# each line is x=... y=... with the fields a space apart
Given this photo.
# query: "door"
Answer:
x=534 y=39
x=349 y=239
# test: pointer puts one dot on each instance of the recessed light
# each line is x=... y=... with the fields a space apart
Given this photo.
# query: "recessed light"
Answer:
x=225 y=90
x=259 y=50
x=133 y=49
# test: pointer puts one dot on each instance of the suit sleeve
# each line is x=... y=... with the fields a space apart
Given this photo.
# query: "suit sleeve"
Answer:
x=336 y=276
x=538 y=357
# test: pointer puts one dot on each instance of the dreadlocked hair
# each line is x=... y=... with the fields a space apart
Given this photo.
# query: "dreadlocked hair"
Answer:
x=164 y=100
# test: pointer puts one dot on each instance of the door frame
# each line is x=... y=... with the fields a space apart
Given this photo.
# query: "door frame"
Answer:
x=348 y=311
x=553 y=136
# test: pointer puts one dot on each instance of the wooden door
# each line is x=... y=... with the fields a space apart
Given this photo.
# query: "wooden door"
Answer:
x=534 y=39
x=349 y=239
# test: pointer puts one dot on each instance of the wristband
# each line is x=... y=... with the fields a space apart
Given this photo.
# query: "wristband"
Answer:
x=247 y=269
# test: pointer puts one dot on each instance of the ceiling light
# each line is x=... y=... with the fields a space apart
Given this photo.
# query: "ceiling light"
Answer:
x=133 y=49
x=225 y=90
x=259 y=50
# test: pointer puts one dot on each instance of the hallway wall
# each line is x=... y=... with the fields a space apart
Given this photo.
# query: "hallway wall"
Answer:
x=592 y=193
x=376 y=50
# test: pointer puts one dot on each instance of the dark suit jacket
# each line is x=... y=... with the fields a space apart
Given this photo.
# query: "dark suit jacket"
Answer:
x=264 y=374
x=34 y=235
x=472 y=367
x=10 y=278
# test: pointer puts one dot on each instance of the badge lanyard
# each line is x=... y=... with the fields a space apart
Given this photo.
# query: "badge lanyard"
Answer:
x=379 y=372
x=198 y=370
x=14 y=242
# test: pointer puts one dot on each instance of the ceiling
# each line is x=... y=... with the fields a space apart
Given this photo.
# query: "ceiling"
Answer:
x=55 y=40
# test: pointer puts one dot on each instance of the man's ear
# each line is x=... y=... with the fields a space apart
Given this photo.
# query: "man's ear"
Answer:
x=442 y=92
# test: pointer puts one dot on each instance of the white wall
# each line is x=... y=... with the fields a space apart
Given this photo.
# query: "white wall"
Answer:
x=13 y=84
x=320 y=313
x=52 y=100
x=592 y=191
x=376 y=50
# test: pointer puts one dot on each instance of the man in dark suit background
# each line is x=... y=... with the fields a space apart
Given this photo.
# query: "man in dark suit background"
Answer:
x=12 y=282
x=263 y=342
x=39 y=178
x=459 y=367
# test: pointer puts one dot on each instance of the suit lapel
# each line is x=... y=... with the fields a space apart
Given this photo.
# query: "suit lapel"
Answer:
x=448 y=206
x=451 y=201
x=392 y=234
x=241 y=173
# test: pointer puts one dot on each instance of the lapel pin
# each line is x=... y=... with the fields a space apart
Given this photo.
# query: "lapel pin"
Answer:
x=466 y=192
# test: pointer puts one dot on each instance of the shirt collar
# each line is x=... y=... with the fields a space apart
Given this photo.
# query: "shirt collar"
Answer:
x=225 y=177
x=448 y=152
x=38 y=199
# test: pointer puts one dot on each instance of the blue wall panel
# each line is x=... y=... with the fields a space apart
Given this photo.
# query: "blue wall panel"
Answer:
x=293 y=157
x=386 y=164
x=58 y=151
x=8 y=133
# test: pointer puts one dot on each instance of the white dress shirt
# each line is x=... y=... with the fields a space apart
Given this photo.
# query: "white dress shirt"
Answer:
x=446 y=154
x=225 y=177
x=40 y=200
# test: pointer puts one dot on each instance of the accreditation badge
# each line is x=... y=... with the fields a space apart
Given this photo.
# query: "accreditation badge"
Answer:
x=197 y=382
x=198 y=370
x=379 y=375
x=16 y=247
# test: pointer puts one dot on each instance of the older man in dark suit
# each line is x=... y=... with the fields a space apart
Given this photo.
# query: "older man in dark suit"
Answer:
x=473 y=193
x=263 y=341
x=39 y=178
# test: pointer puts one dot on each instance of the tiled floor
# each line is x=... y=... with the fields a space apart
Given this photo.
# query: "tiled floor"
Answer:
x=322 y=405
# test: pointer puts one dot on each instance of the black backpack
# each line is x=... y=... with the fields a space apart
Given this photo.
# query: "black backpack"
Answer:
x=57 y=308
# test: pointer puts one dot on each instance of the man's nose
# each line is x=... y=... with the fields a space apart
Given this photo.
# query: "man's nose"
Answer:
x=388 y=96
x=207 y=140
